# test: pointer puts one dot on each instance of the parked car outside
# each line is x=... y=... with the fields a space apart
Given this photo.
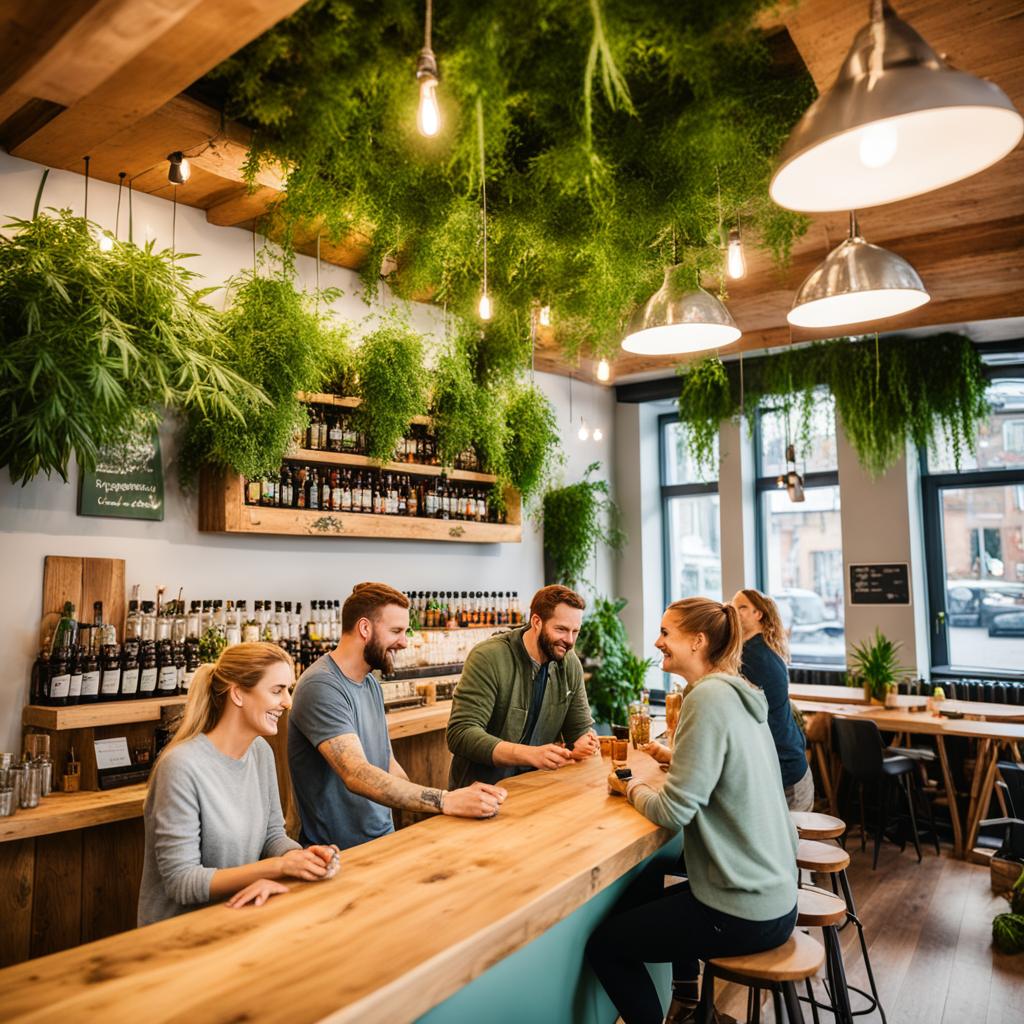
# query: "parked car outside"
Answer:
x=1007 y=624
x=974 y=603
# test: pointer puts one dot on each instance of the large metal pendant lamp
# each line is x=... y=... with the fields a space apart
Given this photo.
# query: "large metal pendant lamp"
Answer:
x=675 y=321
x=857 y=282
x=898 y=122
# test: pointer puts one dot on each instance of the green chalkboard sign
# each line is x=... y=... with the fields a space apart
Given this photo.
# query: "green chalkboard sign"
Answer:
x=128 y=482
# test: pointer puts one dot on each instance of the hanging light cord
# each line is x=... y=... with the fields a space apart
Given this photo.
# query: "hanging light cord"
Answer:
x=117 y=216
x=483 y=177
x=317 y=300
x=174 y=221
x=85 y=215
x=428 y=24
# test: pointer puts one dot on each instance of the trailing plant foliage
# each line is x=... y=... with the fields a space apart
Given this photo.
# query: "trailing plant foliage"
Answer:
x=455 y=405
x=531 y=442
x=609 y=127
x=887 y=392
x=280 y=344
x=92 y=344
x=603 y=646
x=392 y=385
x=577 y=518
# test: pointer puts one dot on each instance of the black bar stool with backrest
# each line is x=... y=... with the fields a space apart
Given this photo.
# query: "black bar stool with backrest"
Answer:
x=863 y=758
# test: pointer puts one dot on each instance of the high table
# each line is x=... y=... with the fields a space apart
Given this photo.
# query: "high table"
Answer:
x=993 y=736
x=406 y=926
x=855 y=695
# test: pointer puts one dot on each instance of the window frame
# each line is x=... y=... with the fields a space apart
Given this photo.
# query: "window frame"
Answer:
x=667 y=492
x=764 y=483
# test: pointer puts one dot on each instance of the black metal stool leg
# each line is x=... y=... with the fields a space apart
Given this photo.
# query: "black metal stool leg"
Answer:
x=706 y=1006
x=755 y=1017
x=812 y=1001
x=777 y=1004
x=851 y=914
x=837 y=977
x=793 y=1011
x=913 y=816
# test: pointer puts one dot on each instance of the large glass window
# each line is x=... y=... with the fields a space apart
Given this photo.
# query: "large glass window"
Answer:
x=692 y=540
x=801 y=548
x=974 y=531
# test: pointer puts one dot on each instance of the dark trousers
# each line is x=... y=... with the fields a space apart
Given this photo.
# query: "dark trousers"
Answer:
x=651 y=924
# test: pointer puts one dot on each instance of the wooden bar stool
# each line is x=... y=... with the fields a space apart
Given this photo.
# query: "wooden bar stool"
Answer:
x=833 y=861
x=776 y=970
x=811 y=825
x=819 y=909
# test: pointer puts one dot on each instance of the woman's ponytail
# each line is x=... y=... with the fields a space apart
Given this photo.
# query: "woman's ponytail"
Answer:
x=201 y=709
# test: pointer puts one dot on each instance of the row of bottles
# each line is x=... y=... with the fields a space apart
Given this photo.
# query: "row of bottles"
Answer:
x=372 y=492
x=331 y=430
x=454 y=609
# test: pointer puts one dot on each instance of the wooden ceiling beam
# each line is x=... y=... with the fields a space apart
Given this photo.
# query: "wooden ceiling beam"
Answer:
x=211 y=31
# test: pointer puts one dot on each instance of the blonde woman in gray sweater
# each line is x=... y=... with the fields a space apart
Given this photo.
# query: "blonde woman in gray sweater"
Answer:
x=214 y=826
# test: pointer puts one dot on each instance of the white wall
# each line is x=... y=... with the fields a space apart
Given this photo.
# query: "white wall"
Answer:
x=40 y=519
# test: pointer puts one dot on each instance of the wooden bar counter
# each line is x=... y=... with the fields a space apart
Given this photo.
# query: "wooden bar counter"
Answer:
x=409 y=920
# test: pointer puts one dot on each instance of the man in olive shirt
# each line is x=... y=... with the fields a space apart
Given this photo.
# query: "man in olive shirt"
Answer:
x=520 y=692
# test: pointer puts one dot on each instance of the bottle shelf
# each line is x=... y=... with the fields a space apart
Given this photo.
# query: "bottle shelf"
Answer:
x=315 y=398
x=91 y=716
x=365 y=462
x=222 y=509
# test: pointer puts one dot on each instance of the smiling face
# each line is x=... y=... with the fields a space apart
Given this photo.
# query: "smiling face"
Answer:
x=262 y=705
x=750 y=617
x=683 y=654
x=557 y=637
x=383 y=636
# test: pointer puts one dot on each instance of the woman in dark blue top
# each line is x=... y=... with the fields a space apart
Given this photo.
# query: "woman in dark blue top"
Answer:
x=765 y=652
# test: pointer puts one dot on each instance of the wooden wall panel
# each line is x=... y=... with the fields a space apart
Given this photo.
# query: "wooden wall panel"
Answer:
x=111 y=875
x=83 y=581
x=16 y=876
x=57 y=888
x=426 y=760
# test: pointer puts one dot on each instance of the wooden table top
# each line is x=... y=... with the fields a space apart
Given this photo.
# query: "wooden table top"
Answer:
x=919 y=723
x=409 y=919
x=854 y=695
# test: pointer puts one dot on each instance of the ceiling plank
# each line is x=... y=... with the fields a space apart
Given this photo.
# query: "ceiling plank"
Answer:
x=212 y=31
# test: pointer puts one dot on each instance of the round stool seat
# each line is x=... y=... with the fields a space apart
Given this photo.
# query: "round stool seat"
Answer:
x=799 y=957
x=818 y=909
x=814 y=856
x=810 y=825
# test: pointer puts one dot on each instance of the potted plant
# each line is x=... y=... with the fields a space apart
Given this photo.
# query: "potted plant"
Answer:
x=875 y=666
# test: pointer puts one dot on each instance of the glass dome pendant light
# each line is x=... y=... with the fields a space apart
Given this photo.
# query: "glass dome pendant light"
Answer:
x=897 y=122
x=428 y=115
x=856 y=283
x=675 y=321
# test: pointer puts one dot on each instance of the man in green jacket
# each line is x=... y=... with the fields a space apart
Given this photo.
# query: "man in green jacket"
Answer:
x=521 y=692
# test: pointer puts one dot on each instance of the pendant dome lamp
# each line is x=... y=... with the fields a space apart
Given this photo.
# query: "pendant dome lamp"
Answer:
x=674 y=321
x=857 y=282
x=897 y=122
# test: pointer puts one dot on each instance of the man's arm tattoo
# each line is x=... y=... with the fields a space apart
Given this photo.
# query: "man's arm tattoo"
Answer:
x=435 y=798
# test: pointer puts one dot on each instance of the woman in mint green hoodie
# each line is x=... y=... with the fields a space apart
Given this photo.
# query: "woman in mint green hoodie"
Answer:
x=724 y=791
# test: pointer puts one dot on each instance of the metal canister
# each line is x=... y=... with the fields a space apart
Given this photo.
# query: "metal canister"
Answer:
x=18 y=778
x=7 y=801
x=30 y=784
x=45 y=766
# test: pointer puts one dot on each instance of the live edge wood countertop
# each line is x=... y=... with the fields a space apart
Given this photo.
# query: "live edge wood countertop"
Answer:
x=408 y=920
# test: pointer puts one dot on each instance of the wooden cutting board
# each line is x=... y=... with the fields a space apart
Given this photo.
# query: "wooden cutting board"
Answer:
x=82 y=581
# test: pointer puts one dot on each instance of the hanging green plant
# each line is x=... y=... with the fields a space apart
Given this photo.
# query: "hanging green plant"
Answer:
x=615 y=676
x=281 y=344
x=392 y=385
x=608 y=126
x=455 y=404
x=577 y=519
x=531 y=443
x=92 y=344
x=887 y=391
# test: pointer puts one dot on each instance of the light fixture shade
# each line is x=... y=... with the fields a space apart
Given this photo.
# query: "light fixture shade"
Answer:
x=178 y=170
x=857 y=282
x=893 y=128
x=674 y=321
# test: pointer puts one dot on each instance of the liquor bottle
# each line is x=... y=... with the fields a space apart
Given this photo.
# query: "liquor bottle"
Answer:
x=312 y=492
x=232 y=625
x=192 y=621
x=39 y=688
x=90 y=676
x=334 y=435
x=313 y=435
x=412 y=499
x=277 y=624
x=430 y=504
x=286 y=495
x=250 y=624
x=191 y=663
x=103 y=632
x=179 y=667
x=167 y=671
x=110 y=679
x=75 y=684
x=324 y=431
x=147 y=669
x=179 y=621
x=336 y=491
x=326 y=497
x=59 y=678
x=346 y=491
x=294 y=620
x=130 y=669
x=133 y=621
x=445 y=500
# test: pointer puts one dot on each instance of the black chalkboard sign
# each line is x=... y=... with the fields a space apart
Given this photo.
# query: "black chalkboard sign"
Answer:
x=880 y=583
x=128 y=482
